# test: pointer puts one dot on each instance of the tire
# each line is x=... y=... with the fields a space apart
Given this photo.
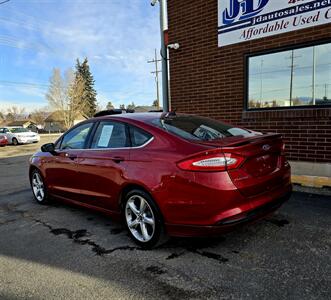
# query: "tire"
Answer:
x=143 y=219
x=14 y=141
x=38 y=187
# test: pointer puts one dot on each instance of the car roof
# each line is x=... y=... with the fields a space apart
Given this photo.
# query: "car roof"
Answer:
x=133 y=116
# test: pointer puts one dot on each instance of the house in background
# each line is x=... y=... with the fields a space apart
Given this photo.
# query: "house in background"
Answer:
x=55 y=123
x=24 y=124
x=146 y=108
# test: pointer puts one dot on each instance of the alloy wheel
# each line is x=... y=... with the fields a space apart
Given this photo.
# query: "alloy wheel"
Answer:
x=38 y=187
x=140 y=218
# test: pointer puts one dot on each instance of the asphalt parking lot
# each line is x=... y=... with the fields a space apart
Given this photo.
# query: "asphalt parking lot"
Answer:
x=64 y=252
x=10 y=150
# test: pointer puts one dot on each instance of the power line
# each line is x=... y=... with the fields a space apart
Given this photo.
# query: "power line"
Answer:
x=5 y=1
x=6 y=82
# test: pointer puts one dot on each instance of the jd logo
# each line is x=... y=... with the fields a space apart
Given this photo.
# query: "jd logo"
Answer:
x=243 y=9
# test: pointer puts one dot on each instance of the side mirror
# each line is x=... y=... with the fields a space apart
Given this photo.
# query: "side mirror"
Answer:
x=50 y=147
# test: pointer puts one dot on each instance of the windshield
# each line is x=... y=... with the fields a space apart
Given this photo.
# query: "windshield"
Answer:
x=199 y=128
x=18 y=130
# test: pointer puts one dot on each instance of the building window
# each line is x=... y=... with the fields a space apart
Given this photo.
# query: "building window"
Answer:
x=297 y=77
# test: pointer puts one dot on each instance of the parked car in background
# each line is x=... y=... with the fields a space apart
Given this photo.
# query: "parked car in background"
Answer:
x=178 y=174
x=3 y=140
x=19 y=135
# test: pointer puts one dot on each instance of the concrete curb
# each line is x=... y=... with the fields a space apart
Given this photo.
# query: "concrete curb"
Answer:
x=312 y=181
x=312 y=190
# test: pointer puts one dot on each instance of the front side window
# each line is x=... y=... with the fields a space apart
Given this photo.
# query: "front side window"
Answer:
x=77 y=137
x=298 y=77
x=110 y=135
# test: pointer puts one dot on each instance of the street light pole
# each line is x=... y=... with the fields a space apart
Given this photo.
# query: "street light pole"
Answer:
x=164 y=52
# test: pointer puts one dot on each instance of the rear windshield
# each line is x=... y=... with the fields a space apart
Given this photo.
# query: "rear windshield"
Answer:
x=199 y=128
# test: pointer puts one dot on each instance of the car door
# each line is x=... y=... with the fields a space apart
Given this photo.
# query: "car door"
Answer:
x=62 y=169
x=103 y=166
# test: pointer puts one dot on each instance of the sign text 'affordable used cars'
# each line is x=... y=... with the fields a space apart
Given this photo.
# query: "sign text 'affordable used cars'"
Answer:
x=245 y=20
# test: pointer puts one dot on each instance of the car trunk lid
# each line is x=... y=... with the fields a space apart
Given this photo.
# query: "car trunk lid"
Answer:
x=263 y=160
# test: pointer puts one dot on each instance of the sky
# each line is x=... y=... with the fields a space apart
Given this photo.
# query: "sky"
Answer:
x=118 y=37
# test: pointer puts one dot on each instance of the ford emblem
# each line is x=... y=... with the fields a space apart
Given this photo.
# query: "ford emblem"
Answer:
x=266 y=147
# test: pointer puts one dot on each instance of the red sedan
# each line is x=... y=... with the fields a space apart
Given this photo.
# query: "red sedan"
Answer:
x=165 y=173
x=3 y=141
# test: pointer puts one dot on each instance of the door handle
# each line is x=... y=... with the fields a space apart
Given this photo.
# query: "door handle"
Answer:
x=71 y=156
x=118 y=159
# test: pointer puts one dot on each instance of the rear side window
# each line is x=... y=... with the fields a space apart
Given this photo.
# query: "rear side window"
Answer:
x=110 y=134
x=139 y=137
x=198 y=128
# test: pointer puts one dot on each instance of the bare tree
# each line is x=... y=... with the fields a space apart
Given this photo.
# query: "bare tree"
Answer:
x=76 y=95
x=15 y=113
x=99 y=107
x=2 y=117
x=38 y=116
x=65 y=95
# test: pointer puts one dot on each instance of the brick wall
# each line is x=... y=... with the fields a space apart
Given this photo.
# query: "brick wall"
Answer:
x=210 y=81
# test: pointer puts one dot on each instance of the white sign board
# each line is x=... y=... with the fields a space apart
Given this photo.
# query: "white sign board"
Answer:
x=246 y=20
x=105 y=135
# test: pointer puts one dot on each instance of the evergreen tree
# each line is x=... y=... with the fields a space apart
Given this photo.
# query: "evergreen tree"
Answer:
x=131 y=106
x=122 y=106
x=110 y=105
x=83 y=70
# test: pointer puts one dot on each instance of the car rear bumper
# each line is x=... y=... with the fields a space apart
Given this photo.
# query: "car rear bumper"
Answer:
x=229 y=224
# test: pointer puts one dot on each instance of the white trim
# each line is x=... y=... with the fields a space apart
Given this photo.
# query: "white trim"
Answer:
x=109 y=149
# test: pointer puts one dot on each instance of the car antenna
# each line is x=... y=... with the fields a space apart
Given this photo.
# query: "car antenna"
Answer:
x=169 y=114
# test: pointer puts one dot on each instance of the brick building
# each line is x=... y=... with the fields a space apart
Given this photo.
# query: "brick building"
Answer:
x=278 y=83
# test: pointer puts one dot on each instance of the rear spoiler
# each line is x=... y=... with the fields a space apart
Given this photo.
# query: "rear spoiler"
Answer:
x=253 y=139
x=242 y=142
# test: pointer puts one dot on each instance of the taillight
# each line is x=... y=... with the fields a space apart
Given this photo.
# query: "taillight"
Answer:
x=212 y=161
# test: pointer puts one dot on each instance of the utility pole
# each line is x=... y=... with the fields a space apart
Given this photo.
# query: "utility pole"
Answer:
x=292 y=75
x=156 y=73
x=314 y=77
x=164 y=51
x=261 y=81
x=292 y=66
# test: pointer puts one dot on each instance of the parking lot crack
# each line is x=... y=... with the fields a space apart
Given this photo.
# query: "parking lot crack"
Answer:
x=210 y=255
x=77 y=236
x=279 y=223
